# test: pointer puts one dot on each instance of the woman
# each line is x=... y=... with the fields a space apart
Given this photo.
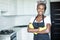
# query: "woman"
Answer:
x=40 y=25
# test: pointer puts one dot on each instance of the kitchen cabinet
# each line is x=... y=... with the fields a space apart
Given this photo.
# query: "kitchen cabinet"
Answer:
x=29 y=7
x=20 y=5
x=8 y=7
x=26 y=7
x=22 y=33
x=25 y=34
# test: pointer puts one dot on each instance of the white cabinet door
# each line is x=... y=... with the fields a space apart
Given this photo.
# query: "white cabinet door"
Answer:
x=29 y=7
x=20 y=7
x=26 y=7
x=25 y=34
x=3 y=6
x=22 y=34
x=8 y=7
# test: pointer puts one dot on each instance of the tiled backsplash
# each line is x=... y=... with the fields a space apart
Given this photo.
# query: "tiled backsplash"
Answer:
x=6 y=22
x=22 y=20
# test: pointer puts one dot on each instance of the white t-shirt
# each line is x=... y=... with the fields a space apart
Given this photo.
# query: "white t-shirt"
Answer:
x=46 y=20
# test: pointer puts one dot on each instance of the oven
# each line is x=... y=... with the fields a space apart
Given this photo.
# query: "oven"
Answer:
x=8 y=35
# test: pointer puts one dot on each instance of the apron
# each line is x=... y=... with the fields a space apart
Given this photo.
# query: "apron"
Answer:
x=40 y=36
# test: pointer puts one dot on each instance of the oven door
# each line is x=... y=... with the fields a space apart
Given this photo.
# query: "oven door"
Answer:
x=13 y=37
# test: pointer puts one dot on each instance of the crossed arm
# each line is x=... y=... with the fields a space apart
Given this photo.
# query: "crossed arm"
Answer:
x=47 y=30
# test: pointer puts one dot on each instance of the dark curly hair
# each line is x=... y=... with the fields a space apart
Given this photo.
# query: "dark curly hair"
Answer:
x=41 y=4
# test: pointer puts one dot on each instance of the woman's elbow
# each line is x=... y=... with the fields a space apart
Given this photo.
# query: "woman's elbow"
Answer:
x=47 y=31
x=28 y=30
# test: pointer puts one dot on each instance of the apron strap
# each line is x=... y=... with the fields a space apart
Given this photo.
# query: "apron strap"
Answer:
x=42 y=18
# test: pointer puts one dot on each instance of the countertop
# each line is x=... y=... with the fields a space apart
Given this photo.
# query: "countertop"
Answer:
x=18 y=28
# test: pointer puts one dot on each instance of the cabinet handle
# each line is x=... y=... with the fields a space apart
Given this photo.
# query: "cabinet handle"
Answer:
x=3 y=12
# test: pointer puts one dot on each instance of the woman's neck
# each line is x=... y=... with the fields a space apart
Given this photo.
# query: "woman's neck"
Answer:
x=40 y=16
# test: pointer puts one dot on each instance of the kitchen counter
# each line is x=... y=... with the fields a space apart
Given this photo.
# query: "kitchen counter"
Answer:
x=17 y=28
x=22 y=33
x=21 y=26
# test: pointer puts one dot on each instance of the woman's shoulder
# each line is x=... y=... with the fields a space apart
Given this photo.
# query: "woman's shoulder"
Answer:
x=47 y=17
x=32 y=19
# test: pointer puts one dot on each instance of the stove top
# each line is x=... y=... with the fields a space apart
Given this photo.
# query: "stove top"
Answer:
x=5 y=32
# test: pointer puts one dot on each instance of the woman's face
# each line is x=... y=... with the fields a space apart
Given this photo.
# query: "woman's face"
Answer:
x=41 y=9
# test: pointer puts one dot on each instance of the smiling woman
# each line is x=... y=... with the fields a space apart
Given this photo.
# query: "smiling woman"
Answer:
x=40 y=25
x=41 y=8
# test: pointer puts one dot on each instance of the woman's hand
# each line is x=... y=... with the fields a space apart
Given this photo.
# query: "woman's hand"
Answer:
x=41 y=29
x=32 y=30
x=47 y=30
x=36 y=30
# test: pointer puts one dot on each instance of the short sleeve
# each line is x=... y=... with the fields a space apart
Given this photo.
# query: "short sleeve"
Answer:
x=47 y=20
x=31 y=20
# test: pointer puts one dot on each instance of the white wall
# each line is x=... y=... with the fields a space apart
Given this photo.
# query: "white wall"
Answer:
x=22 y=20
x=6 y=22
